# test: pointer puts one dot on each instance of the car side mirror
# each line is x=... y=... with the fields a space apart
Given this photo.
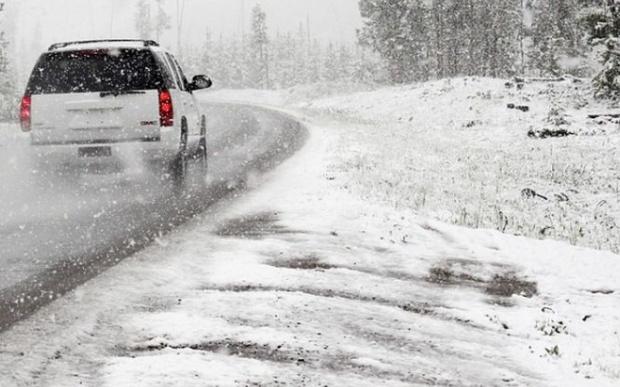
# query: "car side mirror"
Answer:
x=200 y=82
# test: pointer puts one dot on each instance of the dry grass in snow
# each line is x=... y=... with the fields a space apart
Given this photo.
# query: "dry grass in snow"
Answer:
x=454 y=150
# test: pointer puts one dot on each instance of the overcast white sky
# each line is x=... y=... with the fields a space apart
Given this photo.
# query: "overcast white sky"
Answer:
x=42 y=22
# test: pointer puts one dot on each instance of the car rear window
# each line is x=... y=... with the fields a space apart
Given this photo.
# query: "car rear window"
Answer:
x=95 y=71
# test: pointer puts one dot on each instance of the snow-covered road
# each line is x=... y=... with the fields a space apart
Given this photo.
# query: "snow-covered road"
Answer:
x=57 y=234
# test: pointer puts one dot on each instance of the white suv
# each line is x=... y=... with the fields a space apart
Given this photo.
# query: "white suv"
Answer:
x=98 y=99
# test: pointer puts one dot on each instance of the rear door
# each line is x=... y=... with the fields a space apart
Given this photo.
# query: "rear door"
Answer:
x=190 y=108
x=177 y=90
x=95 y=96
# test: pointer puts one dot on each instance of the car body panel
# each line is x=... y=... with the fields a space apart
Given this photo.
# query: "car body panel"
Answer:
x=89 y=118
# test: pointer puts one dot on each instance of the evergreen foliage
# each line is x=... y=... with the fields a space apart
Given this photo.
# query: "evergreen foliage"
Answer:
x=287 y=60
x=142 y=20
x=442 y=38
x=9 y=99
x=149 y=24
x=414 y=40
x=162 y=20
x=258 y=45
x=603 y=23
x=421 y=39
x=280 y=61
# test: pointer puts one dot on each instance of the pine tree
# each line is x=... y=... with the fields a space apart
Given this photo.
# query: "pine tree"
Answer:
x=206 y=61
x=330 y=66
x=504 y=32
x=566 y=12
x=8 y=85
x=222 y=62
x=397 y=30
x=438 y=37
x=259 y=53
x=546 y=41
x=607 y=81
x=345 y=64
x=142 y=20
x=162 y=20
x=362 y=72
x=456 y=26
x=301 y=59
x=237 y=64
x=604 y=24
x=283 y=64
x=315 y=62
x=558 y=33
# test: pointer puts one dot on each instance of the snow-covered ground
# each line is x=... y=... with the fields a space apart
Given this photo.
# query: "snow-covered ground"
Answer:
x=9 y=131
x=286 y=97
x=321 y=276
x=455 y=151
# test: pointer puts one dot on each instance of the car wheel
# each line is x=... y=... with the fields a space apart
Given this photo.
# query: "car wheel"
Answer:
x=180 y=164
x=202 y=147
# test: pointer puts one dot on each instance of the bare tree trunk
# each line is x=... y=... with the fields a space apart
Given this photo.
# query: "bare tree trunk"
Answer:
x=522 y=37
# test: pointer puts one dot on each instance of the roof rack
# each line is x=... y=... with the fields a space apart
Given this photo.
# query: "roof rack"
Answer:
x=147 y=43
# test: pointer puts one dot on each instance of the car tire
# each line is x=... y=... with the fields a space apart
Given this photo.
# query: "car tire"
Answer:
x=202 y=148
x=180 y=164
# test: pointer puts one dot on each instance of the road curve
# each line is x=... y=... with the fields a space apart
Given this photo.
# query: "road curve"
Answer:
x=57 y=235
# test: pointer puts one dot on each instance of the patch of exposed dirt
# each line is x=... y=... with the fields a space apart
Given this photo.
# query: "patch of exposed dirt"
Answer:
x=605 y=292
x=313 y=262
x=446 y=276
x=507 y=285
x=243 y=349
x=501 y=301
x=419 y=308
x=338 y=362
x=255 y=226
x=308 y=262
x=334 y=362
x=442 y=234
x=457 y=272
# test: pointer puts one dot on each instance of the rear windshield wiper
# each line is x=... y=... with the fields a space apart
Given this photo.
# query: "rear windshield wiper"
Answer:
x=116 y=93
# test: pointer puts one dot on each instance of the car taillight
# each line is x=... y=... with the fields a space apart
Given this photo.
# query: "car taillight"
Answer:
x=166 y=111
x=25 y=113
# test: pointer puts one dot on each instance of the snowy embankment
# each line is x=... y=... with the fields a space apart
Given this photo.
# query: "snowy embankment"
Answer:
x=306 y=282
x=464 y=151
x=454 y=150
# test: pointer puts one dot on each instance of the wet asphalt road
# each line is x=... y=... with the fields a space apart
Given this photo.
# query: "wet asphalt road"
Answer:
x=57 y=234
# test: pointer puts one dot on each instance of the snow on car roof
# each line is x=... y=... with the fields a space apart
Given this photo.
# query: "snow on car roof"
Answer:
x=102 y=44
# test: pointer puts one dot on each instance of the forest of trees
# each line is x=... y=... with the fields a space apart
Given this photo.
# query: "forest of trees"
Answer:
x=427 y=39
x=415 y=40
x=443 y=38
x=262 y=59
x=400 y=41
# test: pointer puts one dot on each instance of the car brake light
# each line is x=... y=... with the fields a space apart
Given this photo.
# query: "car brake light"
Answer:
x=25 y=113
x=166 y=110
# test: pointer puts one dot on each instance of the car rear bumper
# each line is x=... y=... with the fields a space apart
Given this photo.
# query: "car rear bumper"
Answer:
x=39 y=142
x=147 y=149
